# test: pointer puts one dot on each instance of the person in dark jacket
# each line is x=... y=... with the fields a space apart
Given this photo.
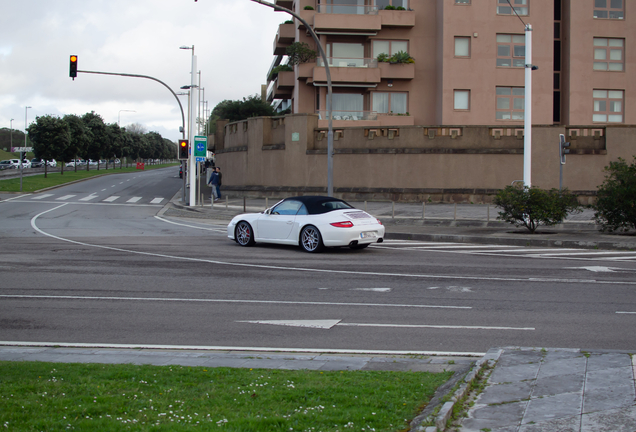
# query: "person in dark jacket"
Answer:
x=219 y=183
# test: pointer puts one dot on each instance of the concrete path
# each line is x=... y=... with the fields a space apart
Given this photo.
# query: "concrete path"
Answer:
x=564 y=390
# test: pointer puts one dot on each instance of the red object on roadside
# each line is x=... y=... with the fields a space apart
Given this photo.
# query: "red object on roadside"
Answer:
x=140 y=165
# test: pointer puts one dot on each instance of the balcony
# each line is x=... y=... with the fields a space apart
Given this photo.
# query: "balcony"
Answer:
x=282 y=86
x=397 y=70
x=347 y=18
x=363 y=118
x=397 y=18
x=285 y=3
x=348 y=70
x=284 y=37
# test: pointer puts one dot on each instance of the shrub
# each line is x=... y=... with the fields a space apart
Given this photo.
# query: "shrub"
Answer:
x=383 y=57
x=279 y=68
x=288 y=22
x=300 y=52
x=532 y=207
x=616 y=197
x=308 y=8
x=389 y=7
x=401 y=57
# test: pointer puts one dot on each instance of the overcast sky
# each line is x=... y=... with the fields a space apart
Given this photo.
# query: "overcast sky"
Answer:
x=233 y=42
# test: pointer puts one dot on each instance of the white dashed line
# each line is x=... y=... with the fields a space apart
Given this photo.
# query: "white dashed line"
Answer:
x=65 y=197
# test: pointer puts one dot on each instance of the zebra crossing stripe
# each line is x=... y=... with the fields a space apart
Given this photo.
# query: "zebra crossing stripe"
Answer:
x=39 y=197
x=88 y=198
x=156 y=201
x=64 y=198
x=111 y=198
x=133 y=200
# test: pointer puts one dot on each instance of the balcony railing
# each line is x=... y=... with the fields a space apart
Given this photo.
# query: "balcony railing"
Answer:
x=347 y=9
x=348 y=62
x=348 y=115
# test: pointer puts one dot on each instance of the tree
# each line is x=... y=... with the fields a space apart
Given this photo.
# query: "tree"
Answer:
x=616 y=197
x=531 y=206
x=116 y=137
x=79 y=139
x=252 y=106
x=300 y=52
x=50 y=137
x=98 y=142
x=136 y=128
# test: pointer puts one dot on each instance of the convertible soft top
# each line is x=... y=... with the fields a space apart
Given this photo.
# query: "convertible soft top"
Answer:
x=321 y=204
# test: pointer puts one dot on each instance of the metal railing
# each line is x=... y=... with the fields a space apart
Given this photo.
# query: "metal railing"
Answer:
x=347 y=9
x=348 y=115
x=348 y=62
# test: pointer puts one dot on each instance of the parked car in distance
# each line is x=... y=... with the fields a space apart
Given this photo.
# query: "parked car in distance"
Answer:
x=78 y=162
x=311 y=222
x=6 y=164
x=52 y=163
x=37 y=163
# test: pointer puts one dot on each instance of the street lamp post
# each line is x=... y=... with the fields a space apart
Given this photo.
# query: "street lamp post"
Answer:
x=191 y=165
x=329 y=92
x=119 y=115
x=527 y=117
x=26 y=110
x=11 y=146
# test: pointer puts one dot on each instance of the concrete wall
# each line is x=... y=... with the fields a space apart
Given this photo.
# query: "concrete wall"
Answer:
x=283 y=156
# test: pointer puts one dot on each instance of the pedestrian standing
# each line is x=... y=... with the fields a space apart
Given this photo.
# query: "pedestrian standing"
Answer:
x=219 y=183
x=214 y=182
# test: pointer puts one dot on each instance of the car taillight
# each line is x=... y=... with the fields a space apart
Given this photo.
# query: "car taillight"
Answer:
x=346 y=224
x=379 y=221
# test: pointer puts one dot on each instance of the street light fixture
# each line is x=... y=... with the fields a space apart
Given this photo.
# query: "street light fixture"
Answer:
x=26 y=110
x=11 y=134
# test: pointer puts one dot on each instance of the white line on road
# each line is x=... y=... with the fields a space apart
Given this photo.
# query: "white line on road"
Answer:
x=39 y=197
x=231 y=348
x=634 y=313
x=223 y=230
x=328 y=324
x=313 y=270
x=111 y=198
x=169 y=299
x=65 y=197
x=133 y=200
x=88 y=198
x=156 y=201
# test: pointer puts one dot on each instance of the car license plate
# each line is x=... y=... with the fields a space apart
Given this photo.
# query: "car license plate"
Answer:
x=368 y=234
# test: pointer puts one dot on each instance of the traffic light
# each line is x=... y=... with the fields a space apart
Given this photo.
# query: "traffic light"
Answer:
x=563 y=148
x=183 y=149
x=73 y=67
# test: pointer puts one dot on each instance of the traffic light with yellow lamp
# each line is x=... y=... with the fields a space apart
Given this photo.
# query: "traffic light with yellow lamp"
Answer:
x=73 y=67
x=183 y=149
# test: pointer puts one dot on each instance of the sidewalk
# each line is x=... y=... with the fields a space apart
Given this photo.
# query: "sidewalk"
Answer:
x=532 y=390
x=460 y=223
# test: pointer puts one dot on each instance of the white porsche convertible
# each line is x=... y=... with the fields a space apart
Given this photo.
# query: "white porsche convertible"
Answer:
x=311 y=222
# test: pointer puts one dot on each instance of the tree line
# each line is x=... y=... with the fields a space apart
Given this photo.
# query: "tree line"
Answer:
x=88 y=137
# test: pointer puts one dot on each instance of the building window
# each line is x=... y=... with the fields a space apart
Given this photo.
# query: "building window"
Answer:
x=608 y=106
x=462 y=46
x=394 y=103
x=520 y=6
x=609 y=9
x=389 y=47
x=461 y=100
x=462 y=2
x=511 y=50
x=510 y=103
x=608 y=54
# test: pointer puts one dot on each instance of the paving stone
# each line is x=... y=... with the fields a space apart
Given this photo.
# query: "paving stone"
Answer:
x=614 y=420
x=520 y=372
x=554 y=385
x=519 y=357
x=511 y=392
x=494 y=416
x=609 y=397
x=608 y=377
x=562 y=366
x=606 y=361
x=553 y=407
x=567 y=424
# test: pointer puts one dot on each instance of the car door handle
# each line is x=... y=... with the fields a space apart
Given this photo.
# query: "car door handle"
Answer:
x=290 y=222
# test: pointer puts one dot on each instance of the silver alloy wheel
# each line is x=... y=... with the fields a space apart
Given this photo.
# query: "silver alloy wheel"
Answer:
x=243 y=234
x=310 y=239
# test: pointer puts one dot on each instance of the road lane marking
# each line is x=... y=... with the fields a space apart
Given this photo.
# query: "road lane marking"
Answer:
x=631 y=313
x=111 y=198
x=238 y=348
x=169 y=299
x=15 y=198
x=65 y=197
x=89 y=197
x=313 y=270
x=222 y=230
x=133 y=200
x=329 y=324
x=39 y=197
x=156 y=201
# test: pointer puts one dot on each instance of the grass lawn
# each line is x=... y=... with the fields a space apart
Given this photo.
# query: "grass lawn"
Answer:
x=97 y=397
x=33 y=183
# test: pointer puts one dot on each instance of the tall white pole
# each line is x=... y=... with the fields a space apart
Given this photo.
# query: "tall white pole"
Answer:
x=527 y=118
x=191 y=164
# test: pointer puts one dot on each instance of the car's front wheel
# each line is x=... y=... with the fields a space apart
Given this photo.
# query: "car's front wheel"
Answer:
x=310 y=239
x=243 y=234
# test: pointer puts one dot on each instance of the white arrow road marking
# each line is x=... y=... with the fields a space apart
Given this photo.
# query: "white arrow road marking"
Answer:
x=328 y=324
x=320 y=324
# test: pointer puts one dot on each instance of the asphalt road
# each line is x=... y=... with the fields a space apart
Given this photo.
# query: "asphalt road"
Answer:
x=79 y=266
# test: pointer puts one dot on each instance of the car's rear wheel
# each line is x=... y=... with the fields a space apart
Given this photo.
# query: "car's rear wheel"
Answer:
x=243 y=234
x=310 y=239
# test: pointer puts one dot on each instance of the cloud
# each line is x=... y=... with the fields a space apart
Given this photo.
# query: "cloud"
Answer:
x=232 y=38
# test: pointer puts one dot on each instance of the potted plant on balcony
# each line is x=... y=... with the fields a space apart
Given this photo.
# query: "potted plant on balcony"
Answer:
x=300 y=52
x=280 y=68
x=401 y=57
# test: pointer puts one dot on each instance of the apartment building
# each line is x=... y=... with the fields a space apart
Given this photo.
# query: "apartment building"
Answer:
x=469 y=62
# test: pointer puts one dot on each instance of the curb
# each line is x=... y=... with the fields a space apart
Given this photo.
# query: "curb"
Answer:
x=446 y=411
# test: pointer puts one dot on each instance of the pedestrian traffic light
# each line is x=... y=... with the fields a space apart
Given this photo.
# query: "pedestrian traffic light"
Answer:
x=183 y=149
x=73 y=67
x=563 y=148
